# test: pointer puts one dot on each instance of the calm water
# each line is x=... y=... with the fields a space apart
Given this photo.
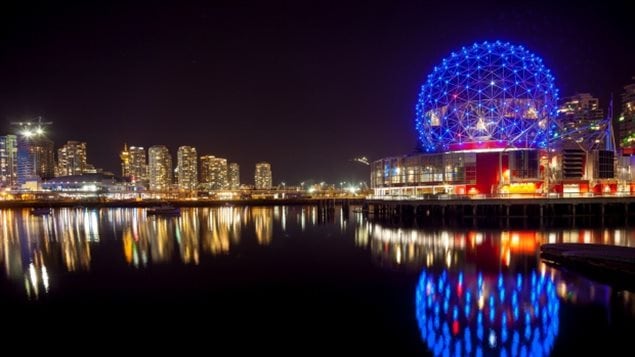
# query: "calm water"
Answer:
x=275 y=278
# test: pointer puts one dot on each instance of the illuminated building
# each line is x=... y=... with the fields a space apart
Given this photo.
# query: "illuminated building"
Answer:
x=8 y=160
x=586 y=145
x=579 y=111
x=626 y=120
x=84 y=183
x=134 y=165
x=187 y=162
x=159 y=168
x=234 y=176
x=483 y=118
x=262 y=177
x=125 y=161
x=35 y=158
x=213 y=173
x=71 y=159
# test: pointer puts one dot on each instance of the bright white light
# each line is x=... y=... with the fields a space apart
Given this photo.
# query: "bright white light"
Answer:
x=27 y=133
x=89 y=188
x=492 y=338
x=39 y=131
x=45 y=278
x=33 y=274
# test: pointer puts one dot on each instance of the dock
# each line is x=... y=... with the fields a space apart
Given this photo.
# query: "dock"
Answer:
x=613 y=265
x=543 y=209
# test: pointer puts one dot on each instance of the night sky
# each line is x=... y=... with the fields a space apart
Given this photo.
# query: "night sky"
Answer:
x=305 y=85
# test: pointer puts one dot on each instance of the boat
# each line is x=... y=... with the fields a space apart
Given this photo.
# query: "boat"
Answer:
x=163 y=211
x=40 y=211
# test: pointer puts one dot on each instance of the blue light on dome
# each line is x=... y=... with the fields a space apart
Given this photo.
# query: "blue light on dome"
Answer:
x=498 y=76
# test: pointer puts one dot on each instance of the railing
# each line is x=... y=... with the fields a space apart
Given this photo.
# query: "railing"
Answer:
x=438 y=197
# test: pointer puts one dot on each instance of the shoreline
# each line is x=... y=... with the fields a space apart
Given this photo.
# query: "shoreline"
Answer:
x=328 y=202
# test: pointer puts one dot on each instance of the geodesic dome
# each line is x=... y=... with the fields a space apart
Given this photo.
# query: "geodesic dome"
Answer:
x=488 y=96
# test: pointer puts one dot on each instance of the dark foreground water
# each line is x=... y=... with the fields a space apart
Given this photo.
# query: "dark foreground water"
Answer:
x=286 y=279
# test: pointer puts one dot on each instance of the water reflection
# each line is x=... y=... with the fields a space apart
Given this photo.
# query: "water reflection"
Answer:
x=465 y=311
x=263 y=218
x=487 y=292
x=34 y=247
x=415 y=248
x=31 y=245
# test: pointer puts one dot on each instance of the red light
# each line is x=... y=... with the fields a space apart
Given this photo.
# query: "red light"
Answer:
x=455 y=327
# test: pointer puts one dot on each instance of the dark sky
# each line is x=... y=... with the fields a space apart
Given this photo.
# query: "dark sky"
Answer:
x=305 y=85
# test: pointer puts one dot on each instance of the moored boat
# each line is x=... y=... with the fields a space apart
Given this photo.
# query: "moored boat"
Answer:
x=164 y=211
x=40 y=211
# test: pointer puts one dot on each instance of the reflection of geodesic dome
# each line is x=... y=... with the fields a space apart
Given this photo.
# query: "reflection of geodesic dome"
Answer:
x=486 y=96
x=467 y=314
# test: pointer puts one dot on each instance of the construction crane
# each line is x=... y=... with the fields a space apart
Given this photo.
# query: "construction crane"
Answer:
x=31 y=128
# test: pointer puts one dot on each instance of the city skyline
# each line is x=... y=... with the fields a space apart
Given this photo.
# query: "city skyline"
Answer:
x=252 y=83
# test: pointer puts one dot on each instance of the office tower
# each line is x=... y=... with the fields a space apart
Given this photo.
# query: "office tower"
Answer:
x=262 y=176
x=160 y=168
x=234 y=176
x=213 y=173
x=71 y=159
x=187 y=164
x=8 y=160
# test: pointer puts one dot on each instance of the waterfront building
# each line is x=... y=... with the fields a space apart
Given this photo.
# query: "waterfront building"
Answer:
x=134 y=166
x=214 y=173
x=234 y=176
x=8 y=160
x=71 y=159
x=262 y=176
x=483 y=120
x=35 y=157
x=82 y=184
x=160 y=168
x=585 y=147
x=626 y=120
x=488 y=122
x=187 y=164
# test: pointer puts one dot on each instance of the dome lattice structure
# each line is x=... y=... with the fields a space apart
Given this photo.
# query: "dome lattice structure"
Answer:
x=488 y=96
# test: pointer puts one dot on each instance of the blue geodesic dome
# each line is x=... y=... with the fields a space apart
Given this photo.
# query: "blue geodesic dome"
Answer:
x=491 y=95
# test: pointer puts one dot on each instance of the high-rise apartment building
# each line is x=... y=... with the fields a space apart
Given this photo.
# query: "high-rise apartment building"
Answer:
x=125 y=161
x=213 y=173
x=134 y=165
x=626 y=120
x=159 y=168
x=234 y=176
x=71 y=159
x=580 y=112
x=8 y=160
x=262 y=176
x=187 y=163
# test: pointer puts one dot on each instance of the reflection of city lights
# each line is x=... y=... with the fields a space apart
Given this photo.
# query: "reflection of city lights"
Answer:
x=533 y=308
x=45 y=279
